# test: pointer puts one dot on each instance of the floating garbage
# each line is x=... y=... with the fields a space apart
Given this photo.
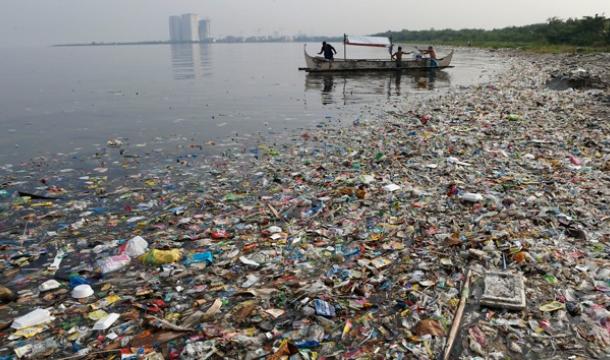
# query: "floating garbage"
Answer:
x=36 y=317
x=106 y=322
x=136 y=246
x=82 y=291
x=477 y=219
x=49 y=285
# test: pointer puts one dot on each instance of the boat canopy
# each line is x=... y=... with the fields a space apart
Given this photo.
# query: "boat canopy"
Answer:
x=375 y=41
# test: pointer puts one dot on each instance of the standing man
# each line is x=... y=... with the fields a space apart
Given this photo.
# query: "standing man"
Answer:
x=328 y=50
x=398 y=56
x=430 y=52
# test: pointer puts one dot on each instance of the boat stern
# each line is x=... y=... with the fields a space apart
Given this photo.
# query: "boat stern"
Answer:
x=446 y=61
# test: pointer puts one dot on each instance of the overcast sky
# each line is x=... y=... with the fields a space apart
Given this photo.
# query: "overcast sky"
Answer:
x=43 y=22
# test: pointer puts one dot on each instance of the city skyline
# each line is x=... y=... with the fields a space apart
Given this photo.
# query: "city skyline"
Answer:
x=184 y=27
x=189 y=28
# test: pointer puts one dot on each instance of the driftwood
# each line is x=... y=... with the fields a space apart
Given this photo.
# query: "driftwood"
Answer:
x=274 y=211
x=457 y=319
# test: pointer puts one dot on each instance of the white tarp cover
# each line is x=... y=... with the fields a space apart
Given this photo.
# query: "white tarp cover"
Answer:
x=368 y=41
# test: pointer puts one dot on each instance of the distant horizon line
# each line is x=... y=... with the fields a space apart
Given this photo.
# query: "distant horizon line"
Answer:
x=225 y=40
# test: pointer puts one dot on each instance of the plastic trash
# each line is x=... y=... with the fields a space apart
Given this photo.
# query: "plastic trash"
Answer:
x=57 y=261
x=250 y=281
x=113 y=263
x=49 y=285
x=471 y=197
x=106 y=323
x=136 y=246
x=323 y=308
x=246 y=261
x=159 y=257
x=552 y=306
x=391 y=187
x=82 y=291
x=76 y=280
x=361 y=238
x=36 y=317
x=197 y=258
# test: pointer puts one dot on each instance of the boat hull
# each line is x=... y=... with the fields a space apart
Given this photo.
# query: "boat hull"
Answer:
x=319 y=64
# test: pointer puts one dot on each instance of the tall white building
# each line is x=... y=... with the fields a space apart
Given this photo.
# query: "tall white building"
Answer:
x=184 y=28
x=190 y=27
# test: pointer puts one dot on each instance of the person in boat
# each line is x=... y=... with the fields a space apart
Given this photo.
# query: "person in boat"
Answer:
x=430 y=52
x=398 y=54
x=328 y=50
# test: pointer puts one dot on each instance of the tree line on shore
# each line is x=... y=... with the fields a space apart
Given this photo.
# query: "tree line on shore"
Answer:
x=589 y=31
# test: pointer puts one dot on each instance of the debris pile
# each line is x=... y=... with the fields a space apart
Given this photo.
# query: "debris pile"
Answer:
x=348 y=242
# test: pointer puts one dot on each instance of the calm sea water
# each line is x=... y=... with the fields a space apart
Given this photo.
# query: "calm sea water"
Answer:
x=73 y=99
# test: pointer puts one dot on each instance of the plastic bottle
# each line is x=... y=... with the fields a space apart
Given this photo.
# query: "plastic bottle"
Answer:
x=471 y=197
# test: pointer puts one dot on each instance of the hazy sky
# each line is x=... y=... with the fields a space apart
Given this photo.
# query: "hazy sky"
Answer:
x=45 y=22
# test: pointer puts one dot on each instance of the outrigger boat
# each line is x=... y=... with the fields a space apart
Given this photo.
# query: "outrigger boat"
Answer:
x=320 y=64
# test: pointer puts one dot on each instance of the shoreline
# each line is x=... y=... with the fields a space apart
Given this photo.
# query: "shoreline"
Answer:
x=370 y=223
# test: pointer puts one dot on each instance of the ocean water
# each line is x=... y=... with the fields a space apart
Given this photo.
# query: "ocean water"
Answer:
x=73 y=99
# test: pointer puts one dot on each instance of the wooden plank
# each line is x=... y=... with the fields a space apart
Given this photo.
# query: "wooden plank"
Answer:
x=457 y=319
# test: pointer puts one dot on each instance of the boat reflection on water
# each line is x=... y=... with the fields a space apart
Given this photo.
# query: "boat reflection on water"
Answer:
x=351 y=88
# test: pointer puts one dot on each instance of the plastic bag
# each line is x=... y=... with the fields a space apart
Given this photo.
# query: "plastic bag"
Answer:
x=136 y=246
x=158 y=257
x=113 y=263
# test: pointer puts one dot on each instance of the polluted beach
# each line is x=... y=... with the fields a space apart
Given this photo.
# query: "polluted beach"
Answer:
x=365 y=206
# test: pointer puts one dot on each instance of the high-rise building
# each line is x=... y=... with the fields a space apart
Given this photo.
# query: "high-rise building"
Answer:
x=205 y=34
x=175 y=28
x=184 y=28
x=190 y=27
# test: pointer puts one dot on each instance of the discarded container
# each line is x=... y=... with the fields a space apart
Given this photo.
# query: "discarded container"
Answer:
x=49 y=285
x=391 y=187
x=106 y=323
x=36 y=317
x=471 y=197
x=82 y=291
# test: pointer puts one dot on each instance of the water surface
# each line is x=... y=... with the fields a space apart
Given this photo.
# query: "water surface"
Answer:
x=73 y=99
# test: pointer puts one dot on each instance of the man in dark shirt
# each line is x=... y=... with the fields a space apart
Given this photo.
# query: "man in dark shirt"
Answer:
x=328 y=50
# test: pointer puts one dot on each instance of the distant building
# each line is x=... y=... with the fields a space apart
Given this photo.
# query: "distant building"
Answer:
x=175 y=28
x=184 y=28
x=205 y=34
x=190 y=27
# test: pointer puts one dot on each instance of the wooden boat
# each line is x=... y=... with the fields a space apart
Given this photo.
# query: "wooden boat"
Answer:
x=320 y=64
